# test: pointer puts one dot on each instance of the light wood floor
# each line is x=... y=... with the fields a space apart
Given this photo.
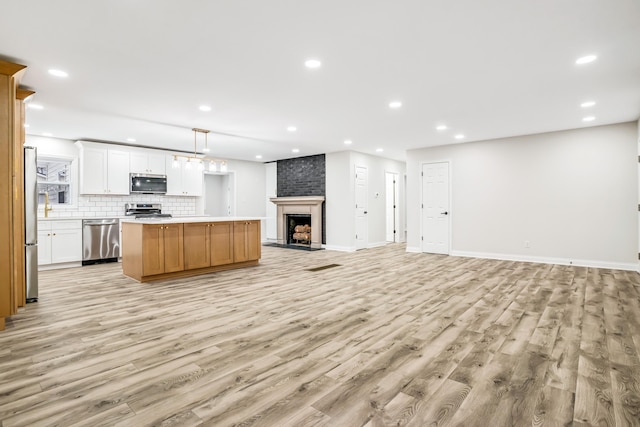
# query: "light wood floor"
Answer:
x=388 y=338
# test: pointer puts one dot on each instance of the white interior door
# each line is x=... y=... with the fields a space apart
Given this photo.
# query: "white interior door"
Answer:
x=435 y=208
x=391 y=203
x=362 y=223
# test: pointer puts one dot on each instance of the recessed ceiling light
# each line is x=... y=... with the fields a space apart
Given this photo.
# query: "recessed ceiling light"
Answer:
x=58 y=73
x=586 y=59
x=26 y=125
x=206 y=149
x=312 y=63
x=35 y=106
x=395 y=104
x=459 y=136
x=47 y=134
x=379 y=150
x=588 y=104
x=258 y=156
x=292 y=128
x=295 y=150
x=348 y=142
x=588 y=119
x=442 y=127
x=205 y=108
x=131 y=139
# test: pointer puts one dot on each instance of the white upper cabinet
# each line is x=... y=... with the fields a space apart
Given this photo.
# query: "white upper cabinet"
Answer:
x=103 y=170
x=183 y=181
x=118 y=172
x=147 y=161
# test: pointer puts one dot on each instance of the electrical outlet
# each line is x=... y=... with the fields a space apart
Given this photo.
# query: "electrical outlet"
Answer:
x=527 y=244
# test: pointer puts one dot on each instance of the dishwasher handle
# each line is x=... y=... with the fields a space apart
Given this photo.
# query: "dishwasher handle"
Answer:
x=100 y=222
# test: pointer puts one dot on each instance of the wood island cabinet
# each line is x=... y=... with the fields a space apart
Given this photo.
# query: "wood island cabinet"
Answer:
x=197 y=246
x=246 y=240
x=162 y=249
x=159 y=251
x=222 y=243
x=208 y=244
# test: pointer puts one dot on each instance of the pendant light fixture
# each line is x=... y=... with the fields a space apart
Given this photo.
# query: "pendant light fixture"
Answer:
x=198 y=160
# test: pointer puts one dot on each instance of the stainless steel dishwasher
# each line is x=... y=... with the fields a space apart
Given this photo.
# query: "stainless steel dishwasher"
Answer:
x=100 y=240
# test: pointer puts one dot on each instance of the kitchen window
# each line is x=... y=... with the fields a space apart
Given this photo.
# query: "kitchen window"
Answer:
x=55 y=180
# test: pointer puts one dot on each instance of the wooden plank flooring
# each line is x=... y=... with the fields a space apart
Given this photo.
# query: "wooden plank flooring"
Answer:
x=387 y=338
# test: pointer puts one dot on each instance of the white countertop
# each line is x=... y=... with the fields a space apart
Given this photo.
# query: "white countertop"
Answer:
x=79 y=218
x=178 y=219
x=175 y=219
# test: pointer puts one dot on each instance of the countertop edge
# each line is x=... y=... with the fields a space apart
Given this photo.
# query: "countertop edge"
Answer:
x=179 y=220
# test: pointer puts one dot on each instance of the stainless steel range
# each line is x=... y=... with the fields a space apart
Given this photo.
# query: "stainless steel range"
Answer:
x=145 y=210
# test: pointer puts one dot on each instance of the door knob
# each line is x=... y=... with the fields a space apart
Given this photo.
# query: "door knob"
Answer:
x=444 y=213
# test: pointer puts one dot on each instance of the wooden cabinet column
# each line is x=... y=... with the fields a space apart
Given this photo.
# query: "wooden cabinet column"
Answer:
x=18 y=197
x=11 y=191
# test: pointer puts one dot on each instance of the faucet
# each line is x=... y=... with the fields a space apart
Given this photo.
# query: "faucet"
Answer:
x=47 y=207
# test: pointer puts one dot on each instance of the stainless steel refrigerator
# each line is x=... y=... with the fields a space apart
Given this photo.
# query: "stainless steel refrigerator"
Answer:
x=31 y=222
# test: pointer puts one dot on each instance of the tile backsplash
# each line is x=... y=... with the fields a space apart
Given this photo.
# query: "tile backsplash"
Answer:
x=113 y=206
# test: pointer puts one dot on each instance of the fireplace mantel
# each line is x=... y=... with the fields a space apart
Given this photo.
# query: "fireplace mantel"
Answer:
x=305 y=205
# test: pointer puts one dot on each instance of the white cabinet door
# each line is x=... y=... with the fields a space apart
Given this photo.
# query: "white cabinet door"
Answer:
x=104 y=171
x=138 y=163
x=118 y=172
x=174 y=177
x=156 y=164
x=183 y=181
x=148 y=161
x=44 y=247
x=192 y=181
x=66 y=245
x=93 y=171
x=59 y=241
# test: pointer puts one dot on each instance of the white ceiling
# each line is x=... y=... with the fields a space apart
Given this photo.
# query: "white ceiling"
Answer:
x=488 y=69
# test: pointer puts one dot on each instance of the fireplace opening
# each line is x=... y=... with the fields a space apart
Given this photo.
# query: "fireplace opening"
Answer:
x=299 y=230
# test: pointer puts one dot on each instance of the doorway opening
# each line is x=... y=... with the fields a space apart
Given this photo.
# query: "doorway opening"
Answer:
x=219 y=194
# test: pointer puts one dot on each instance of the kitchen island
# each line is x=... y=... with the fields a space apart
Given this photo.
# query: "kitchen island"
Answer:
x=162 y=248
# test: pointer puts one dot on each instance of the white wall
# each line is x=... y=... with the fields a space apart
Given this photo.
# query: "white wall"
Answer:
x=250 y=189
x=638 y=137
x=573 y=195
x=339 y=201
x=340 y=198
x=271 y=210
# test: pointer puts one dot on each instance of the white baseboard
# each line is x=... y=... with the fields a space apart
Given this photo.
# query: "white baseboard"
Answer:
x=339 y=248
x=547 y=260
x=60 y=265
x=413 y=249
x=376 y=245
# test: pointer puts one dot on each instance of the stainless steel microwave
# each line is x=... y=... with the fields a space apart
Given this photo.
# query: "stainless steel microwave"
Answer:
x=148 y=184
